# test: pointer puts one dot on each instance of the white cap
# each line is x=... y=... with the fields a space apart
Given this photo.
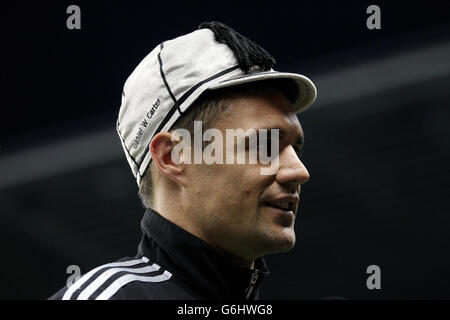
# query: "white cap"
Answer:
x=175 y=73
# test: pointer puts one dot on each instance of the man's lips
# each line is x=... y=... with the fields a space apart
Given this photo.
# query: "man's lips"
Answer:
x=284 y=203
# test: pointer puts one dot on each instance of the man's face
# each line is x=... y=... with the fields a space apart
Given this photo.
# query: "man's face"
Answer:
x=230 y=202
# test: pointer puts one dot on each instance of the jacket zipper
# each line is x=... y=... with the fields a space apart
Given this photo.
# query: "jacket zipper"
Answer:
x=251 y=286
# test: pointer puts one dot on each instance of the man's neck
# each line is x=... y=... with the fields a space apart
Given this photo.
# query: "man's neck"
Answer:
x=237 y=260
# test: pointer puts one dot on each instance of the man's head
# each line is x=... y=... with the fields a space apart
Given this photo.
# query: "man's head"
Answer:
x=230 y=205
x=226 y=81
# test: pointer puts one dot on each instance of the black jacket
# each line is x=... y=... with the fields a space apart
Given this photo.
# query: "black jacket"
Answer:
x=171 y=264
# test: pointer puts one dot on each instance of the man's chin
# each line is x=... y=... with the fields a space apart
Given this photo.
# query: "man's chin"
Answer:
x=281 y=241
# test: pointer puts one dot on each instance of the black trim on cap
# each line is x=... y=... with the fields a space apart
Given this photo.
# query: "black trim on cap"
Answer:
x=177 y=104
x=174 y=108
x=249 y=75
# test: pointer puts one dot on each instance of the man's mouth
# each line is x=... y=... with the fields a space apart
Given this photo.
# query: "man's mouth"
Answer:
x=283 y=205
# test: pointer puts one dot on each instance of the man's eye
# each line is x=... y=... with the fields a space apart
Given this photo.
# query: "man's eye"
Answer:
x=266 y=145
x=269 y=147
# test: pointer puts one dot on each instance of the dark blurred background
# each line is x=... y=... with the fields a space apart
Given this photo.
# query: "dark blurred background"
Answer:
x=377 y=140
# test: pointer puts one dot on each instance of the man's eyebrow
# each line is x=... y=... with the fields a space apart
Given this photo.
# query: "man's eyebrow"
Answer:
x=282 y=134
x=299 y=142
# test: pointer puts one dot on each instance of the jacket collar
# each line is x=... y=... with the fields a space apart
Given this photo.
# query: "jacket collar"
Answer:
x=209 y=272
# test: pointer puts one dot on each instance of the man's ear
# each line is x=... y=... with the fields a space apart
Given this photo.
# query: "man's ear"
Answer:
x=161 y=148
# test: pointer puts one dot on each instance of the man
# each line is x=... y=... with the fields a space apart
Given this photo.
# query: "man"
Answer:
x=208 y=224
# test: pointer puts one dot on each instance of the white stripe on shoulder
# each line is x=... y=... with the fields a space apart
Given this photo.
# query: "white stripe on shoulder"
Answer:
x=89 y=290
x=69 y=292
x=122 y=281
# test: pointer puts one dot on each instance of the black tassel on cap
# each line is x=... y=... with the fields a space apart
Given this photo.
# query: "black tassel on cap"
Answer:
x=247 y=53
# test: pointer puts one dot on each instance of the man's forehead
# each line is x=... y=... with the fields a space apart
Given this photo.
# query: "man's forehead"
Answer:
x=287 y=122
x=263 y=109
x=288 y=127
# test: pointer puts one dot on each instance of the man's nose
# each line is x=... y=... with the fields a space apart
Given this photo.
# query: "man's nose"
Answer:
x=291 y=170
